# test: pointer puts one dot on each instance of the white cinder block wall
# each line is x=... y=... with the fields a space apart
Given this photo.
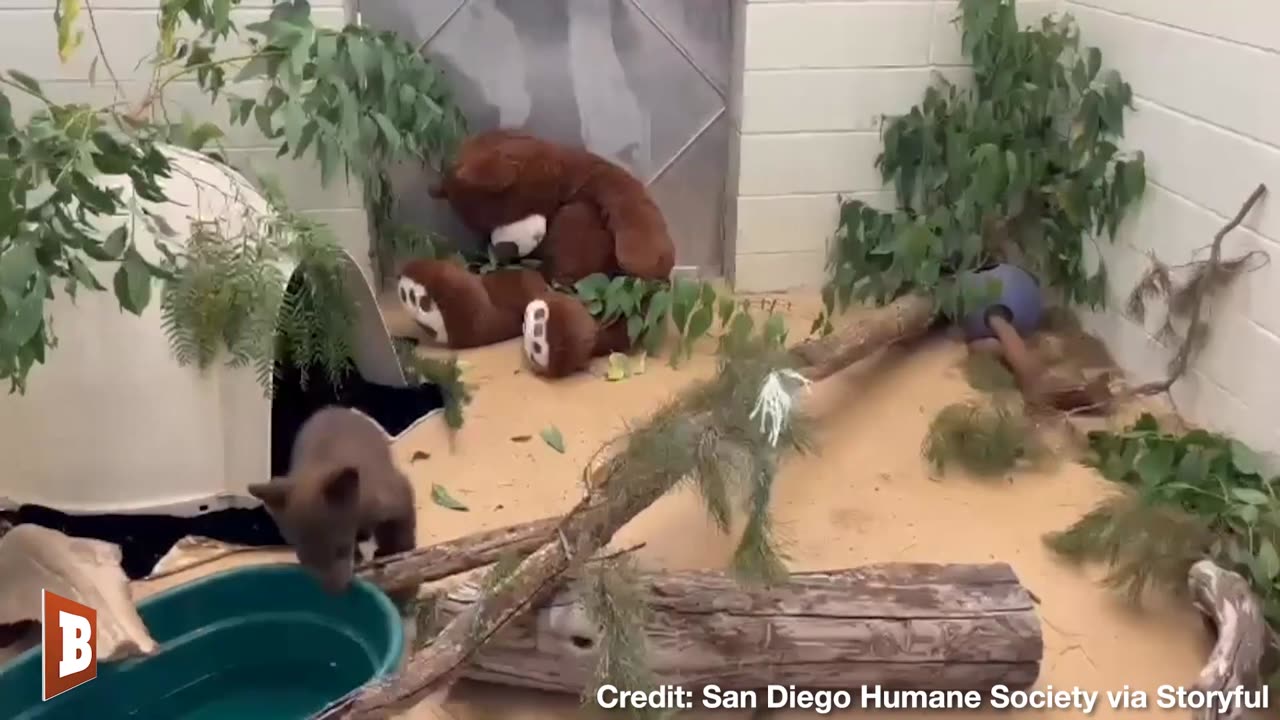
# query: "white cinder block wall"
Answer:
x=1211 y=132
x=817 y=78
x=28 y=43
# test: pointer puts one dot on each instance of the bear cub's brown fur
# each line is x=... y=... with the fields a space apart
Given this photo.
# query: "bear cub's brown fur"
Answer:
x=343 y=486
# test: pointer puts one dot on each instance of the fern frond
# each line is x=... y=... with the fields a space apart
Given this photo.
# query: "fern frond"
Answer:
x=228 y=296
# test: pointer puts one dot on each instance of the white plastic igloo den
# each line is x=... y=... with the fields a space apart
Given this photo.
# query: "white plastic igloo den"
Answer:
x=113 y=424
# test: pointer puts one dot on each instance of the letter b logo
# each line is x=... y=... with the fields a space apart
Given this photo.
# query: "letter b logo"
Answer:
x=70 y=643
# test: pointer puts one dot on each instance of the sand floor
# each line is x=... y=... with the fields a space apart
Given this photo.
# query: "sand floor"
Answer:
x=866 y=497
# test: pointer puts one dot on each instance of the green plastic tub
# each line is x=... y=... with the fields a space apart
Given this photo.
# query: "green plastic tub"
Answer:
x=257 y=643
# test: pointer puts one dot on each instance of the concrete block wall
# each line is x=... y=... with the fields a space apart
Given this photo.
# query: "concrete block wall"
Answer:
x=817 y=77
x=1211 y=133
x=129 y=32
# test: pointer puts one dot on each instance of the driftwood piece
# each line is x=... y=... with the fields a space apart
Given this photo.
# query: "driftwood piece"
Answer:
x=35 y=558
x=1244 y=639
x=901 y=626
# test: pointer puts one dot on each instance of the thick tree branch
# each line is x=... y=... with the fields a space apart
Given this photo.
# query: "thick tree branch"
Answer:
x=411 y=569
x=906 y=317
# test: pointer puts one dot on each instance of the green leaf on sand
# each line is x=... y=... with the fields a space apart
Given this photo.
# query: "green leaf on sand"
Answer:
x=552 y=437
x=441 y=497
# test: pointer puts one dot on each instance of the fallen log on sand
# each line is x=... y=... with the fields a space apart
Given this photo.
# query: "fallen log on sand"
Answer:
x=907 y=317
x=900 y=626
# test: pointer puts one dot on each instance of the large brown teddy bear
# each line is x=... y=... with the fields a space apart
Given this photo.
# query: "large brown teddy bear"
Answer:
x=577 y=213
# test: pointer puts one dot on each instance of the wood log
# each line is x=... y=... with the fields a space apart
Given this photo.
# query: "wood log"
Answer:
x=900 y=626
x=1244 y=641
x=907 y=317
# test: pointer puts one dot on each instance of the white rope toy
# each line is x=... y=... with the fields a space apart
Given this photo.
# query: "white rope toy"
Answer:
x=774 y=403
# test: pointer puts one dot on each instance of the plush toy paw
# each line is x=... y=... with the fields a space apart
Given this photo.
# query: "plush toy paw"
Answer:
x=424 y=309
x=520 y=238
x=559 y=335
x=536 y=350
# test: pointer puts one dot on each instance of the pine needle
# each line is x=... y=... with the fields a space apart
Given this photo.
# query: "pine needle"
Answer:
x=715 y=467
x=985 y=440
x=500 y=572
x=613 y=601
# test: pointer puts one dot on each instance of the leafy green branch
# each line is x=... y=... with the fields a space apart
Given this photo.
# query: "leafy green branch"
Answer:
x=445 y=374
x=1186 y=497
x=650 y=308
x=357 y=98
x=53 y=208
x=1021 y=167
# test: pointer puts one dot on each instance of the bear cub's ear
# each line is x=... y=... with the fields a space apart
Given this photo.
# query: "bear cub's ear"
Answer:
x=274 y=494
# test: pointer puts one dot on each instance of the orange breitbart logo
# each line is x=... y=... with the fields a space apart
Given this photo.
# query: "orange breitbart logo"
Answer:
x=69 y=646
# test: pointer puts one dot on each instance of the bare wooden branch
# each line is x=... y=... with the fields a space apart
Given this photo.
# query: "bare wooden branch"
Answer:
x=904 y=318
x=411 y=569
x=918 y=626
x=1244 y=639
x=1195 y=328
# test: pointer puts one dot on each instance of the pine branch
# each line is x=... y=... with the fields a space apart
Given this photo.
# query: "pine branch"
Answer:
x=614 y=603
x=1144 y=543
x=984 y=440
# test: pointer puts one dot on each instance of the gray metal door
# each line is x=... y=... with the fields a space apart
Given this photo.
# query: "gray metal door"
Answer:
x=641 y=82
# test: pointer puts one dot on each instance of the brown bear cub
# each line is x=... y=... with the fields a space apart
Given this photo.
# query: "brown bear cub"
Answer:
x=343 y=487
